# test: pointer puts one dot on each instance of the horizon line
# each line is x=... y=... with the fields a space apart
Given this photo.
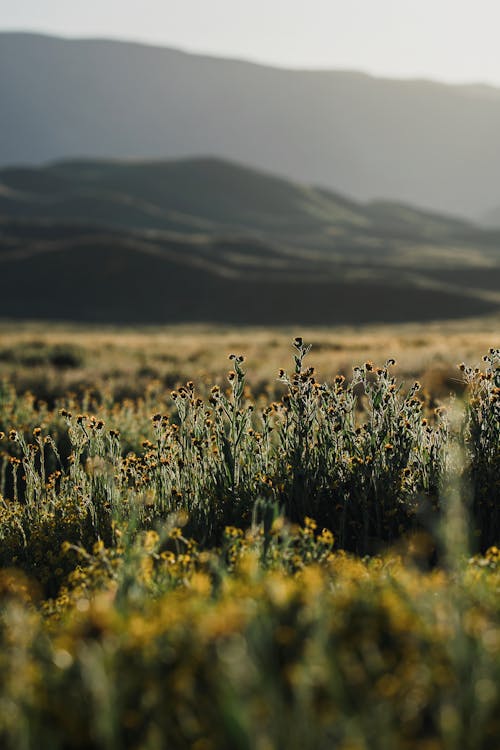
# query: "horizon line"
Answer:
x=413 y=78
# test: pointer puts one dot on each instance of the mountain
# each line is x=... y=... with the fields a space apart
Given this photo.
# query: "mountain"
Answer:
x=424 y=143
x=184 y=195
x=208 y=240
x=491 y=218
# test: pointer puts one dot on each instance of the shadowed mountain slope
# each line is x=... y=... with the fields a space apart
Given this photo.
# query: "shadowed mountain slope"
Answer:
x=211 y=195
x=117 y=278
x=491 y=218
x=207 y=240
x=425 y=143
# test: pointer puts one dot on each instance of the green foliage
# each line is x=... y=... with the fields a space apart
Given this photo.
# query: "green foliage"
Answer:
x=365 y=458
x=151 y=648
x=185 y=578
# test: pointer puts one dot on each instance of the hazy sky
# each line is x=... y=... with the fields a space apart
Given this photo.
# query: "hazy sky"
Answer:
x=451 y=40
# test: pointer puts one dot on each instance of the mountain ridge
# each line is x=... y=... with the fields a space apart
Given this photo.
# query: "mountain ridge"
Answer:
x=427 y=143
x=477 y=85
x=208 y=240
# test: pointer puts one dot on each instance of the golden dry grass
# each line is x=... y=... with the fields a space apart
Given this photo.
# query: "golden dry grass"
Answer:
x=177 y=575
x=130 y=357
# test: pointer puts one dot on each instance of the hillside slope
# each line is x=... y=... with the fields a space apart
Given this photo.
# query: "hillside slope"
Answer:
x=425 y=143
x=54 y=272
x=212 y=196
x=207 y=240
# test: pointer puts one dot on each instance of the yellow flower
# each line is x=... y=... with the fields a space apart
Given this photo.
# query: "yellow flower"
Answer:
x=150 y=541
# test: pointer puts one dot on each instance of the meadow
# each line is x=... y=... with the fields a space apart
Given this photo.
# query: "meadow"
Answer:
x=213 y=538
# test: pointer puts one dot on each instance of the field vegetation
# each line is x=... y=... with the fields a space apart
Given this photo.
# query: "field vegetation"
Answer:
x=199 y=549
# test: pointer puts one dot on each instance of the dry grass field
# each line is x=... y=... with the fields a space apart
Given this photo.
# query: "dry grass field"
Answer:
x=200 y=559
x=52 y=359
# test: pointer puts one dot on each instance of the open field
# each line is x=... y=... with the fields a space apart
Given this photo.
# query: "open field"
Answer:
x=253 y=559
x=52 y=359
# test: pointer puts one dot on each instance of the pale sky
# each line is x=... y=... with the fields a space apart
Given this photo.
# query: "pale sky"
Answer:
x=448 y=40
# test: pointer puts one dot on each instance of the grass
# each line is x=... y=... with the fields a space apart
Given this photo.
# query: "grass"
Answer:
x=129 y=361
x=298 y=564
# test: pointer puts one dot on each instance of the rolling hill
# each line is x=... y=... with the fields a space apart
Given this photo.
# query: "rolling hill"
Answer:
x=208 y=240
x=423 y=143
x=491 y=218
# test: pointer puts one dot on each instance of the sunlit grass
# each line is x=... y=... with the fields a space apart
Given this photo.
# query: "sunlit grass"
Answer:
x=308 y=565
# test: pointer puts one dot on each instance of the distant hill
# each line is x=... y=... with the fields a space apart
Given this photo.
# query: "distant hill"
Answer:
x=491 y=218
x=424 y=143
x=187 y=195
x=116 y=280
x=208 y=240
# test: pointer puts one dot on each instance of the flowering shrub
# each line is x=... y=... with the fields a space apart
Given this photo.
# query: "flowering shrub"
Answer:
x=202 y=579
x=147 y=648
